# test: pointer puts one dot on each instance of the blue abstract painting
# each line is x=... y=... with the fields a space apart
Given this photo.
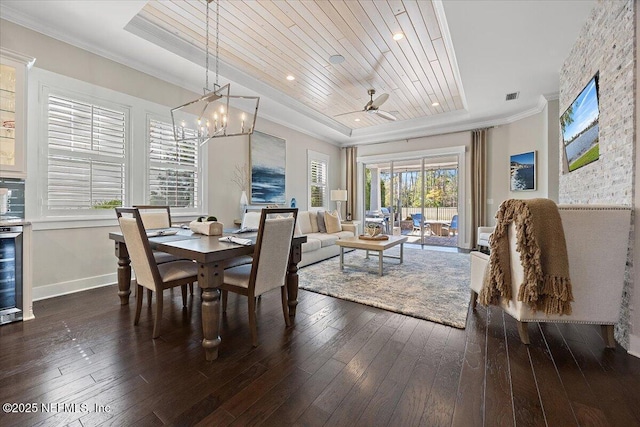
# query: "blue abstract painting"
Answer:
x=268 y=164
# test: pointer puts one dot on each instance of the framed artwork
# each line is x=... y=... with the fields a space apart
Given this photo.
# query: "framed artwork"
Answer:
x=268 y=165
x=523 y=171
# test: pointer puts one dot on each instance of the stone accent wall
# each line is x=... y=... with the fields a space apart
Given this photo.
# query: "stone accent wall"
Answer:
x=606 y=45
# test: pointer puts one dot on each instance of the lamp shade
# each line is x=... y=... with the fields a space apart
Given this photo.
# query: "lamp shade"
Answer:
x=338 y=195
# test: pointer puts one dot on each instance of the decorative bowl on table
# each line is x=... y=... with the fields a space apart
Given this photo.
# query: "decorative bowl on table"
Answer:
x=372 y=230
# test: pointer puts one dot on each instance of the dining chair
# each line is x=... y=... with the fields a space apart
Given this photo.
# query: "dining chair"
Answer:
x=250 y=219
x=149 y=274
x=269 y=267
x=158 y=216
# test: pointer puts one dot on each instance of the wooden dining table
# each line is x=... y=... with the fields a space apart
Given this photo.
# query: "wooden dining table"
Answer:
x=211 y=255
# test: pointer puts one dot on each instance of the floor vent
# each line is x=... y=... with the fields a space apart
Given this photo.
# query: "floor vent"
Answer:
x=512 y=96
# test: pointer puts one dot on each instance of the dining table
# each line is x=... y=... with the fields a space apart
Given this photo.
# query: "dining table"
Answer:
x=211 y=255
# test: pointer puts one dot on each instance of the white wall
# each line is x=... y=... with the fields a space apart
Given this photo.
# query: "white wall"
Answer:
x=78 y=255
x=538 y=132
x=224 y=155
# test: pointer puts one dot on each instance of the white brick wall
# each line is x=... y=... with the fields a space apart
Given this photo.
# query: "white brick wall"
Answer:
x=605 y=44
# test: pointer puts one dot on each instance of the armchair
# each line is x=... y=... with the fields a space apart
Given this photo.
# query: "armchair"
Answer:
x=483 y=238
x=596 y=266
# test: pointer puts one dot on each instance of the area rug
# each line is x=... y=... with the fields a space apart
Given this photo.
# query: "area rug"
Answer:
x=431 y=285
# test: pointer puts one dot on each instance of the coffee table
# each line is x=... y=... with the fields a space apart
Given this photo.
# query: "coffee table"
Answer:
x=372 y=246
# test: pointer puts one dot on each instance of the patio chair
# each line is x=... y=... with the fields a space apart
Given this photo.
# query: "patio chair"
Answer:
x=451 y=227
x=417 y=222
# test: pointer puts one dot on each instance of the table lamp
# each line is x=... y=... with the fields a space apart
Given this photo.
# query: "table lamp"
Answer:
x=339 y=196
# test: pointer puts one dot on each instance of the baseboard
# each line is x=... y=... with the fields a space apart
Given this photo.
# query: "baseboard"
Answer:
x=72 y=286
x=634 y=345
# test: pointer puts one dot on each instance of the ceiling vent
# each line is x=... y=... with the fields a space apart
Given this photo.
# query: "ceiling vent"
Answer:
x=512 y=96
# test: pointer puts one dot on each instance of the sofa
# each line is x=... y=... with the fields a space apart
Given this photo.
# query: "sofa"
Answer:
x=320 y=244
x=597 y=240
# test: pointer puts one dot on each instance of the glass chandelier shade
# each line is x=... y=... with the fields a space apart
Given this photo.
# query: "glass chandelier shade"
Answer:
x=217 y=113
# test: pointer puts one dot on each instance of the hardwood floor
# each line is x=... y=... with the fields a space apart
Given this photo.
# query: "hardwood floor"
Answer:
x=341 y=364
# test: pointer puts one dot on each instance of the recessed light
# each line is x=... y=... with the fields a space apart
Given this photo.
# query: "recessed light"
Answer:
x=435 y=104
x=398 y=36
x=357 y=120
x=336 y=59
x=290 y=78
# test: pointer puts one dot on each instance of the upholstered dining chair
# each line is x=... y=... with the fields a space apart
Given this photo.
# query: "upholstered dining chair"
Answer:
x=269 y=267
x=158 y=216
x=149 y=274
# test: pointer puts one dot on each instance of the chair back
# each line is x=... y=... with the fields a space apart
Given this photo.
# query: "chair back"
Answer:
x=155 y=216
x=417 y=219
x=454 y=222
x=250 y=219
x=135 y=237
x=273 y=246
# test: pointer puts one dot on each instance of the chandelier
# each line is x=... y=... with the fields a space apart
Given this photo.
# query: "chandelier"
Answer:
x=216 y=113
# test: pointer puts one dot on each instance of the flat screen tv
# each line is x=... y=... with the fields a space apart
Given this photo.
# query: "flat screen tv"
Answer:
x=580 y=127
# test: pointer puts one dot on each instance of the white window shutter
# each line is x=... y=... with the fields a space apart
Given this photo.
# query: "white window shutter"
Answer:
x=173 y=167
x=86 y=155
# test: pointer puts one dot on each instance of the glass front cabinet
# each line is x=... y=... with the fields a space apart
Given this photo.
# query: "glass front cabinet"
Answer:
x=13 y=113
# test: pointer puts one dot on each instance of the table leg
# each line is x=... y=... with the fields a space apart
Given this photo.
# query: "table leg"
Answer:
x=210 y=276
x=124 y=273
x=380 y=262
x=401 y=252
x=341 y=258
x=292 y=278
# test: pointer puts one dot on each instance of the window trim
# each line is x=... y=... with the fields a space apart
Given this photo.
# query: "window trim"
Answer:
x=318 y=157
x=43 y=167
x=40 y=81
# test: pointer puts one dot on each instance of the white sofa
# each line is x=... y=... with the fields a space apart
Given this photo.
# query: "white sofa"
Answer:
x=597 y=239
x=319 y=246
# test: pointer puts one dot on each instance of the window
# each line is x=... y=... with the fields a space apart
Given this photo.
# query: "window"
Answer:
x=318 y=175
x=86 y=155
x=173 y=167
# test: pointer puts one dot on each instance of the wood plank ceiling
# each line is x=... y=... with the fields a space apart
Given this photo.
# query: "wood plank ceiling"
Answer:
x=270 y=40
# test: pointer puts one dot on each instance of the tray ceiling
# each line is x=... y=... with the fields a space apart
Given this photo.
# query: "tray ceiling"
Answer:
x=501 y=47
x=270 y=40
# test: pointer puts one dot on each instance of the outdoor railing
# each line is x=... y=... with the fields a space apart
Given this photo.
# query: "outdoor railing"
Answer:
x=431 y=214
x=434 y=214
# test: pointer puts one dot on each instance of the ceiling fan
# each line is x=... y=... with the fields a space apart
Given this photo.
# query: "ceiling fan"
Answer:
x=373 y=106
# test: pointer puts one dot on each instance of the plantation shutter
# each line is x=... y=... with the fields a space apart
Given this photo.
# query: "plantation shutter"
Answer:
x=173 y=167
x=318 y=180
x=86 y=155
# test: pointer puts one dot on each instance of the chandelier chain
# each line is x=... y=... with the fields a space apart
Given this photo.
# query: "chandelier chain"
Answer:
x=217 y=40
x=206 y=75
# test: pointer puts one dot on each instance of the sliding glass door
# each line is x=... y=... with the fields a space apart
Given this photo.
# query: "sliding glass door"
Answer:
x=414 y=197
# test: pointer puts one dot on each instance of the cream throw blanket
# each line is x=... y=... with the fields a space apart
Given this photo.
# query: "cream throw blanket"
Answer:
x=543 y=253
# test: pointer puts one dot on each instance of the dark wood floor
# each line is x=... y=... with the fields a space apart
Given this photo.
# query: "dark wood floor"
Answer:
x=341 y=364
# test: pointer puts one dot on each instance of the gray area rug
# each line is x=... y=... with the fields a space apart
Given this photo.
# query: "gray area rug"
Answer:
x=431 y=285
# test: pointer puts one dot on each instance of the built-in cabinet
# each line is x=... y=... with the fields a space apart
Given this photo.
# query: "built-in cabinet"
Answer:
x=13 y=113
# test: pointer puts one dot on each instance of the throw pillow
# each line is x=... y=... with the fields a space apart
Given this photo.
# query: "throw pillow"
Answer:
x=322 y=228
x=332 y=222
x=303 y=220
x=297 y=231
x=314 y=221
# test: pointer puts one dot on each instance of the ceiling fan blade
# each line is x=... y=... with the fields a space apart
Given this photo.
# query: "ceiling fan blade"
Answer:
x=350 y=112
x=386 y=115
x=379 y=100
